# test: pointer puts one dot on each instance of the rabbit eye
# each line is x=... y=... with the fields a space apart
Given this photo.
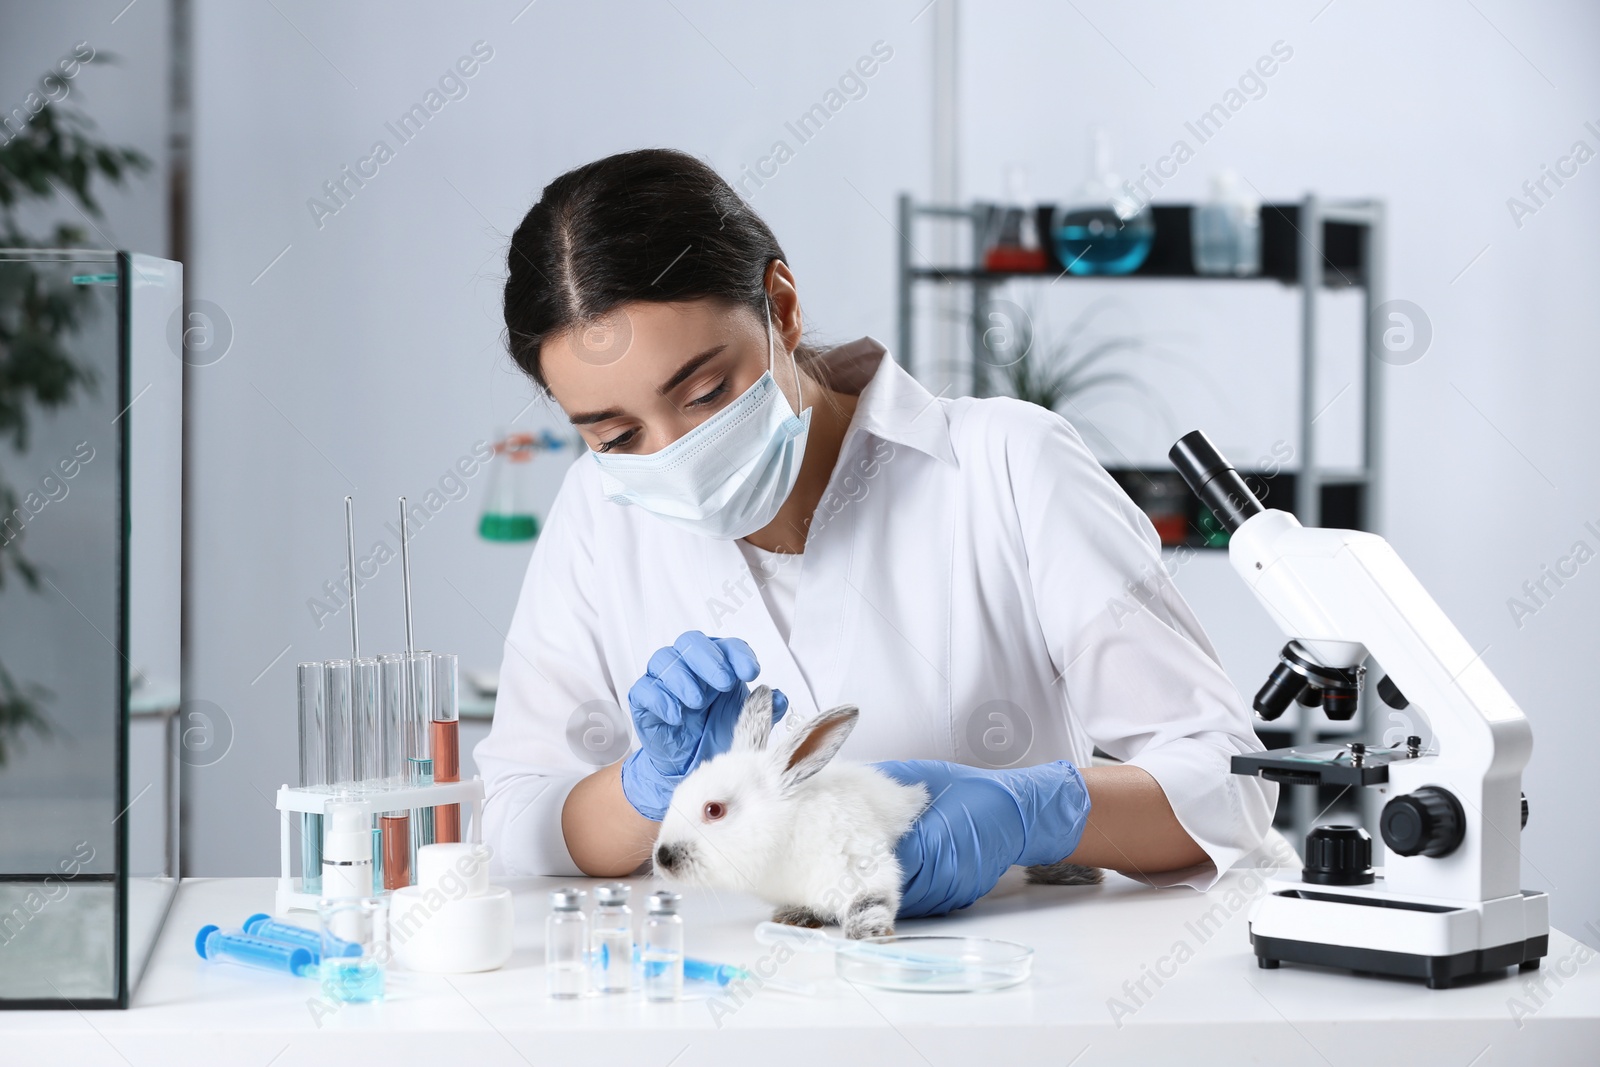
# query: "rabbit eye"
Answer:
x=715 y=810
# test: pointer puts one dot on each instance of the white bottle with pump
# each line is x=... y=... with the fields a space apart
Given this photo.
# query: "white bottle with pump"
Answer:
x=347 y=851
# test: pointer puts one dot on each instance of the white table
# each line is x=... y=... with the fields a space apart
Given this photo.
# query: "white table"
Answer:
x=1217 y=1007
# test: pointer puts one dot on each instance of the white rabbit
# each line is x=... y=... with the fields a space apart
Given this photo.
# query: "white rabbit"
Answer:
x=817 y=841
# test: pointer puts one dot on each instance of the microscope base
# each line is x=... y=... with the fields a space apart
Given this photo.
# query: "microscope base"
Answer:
x=1372 y=930
x=1440 y=972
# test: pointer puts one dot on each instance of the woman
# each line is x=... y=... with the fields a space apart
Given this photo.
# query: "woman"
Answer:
x=961 y=569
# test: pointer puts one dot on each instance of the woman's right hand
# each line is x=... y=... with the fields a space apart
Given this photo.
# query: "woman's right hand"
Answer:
x=684 y=710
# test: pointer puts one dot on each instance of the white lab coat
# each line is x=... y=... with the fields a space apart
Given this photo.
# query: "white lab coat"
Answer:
x=973 y=580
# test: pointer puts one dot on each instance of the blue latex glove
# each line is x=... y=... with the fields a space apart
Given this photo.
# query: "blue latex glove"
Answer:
x=684 y=709
x=981 y=822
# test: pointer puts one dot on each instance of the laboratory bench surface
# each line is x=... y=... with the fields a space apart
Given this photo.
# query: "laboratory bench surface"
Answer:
x=1124 y=973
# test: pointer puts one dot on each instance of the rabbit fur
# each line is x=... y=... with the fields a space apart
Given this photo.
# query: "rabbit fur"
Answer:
x=813 y=838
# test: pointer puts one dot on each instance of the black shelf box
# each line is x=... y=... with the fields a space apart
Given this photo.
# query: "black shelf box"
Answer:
x=1172 y=250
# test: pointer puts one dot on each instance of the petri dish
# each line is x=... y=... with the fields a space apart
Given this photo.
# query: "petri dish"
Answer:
x=934 y=964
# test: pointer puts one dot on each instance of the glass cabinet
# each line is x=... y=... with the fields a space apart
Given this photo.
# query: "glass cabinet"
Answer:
x=91 y=462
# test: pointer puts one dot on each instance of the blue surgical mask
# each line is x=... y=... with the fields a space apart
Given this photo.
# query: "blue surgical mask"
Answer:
x=727 y=477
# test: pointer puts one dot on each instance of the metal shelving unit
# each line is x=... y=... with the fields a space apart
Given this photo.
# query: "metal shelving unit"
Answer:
x=1313 y=245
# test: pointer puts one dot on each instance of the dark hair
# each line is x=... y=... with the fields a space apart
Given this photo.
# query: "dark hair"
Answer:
x=653 y=225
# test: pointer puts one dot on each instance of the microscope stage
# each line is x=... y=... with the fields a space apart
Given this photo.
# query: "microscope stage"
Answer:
x=1320 y=765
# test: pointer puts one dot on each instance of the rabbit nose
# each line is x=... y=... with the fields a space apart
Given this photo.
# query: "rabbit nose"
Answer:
x=666 y=856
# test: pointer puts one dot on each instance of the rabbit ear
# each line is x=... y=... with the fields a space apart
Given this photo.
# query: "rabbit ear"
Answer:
x=809 y=748
x=755 y=721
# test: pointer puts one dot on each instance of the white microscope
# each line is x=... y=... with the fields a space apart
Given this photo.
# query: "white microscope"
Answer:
x=1448 y=904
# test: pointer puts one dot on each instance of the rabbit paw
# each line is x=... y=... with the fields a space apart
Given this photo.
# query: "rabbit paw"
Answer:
x=1064 y=873
x=795 y=915
x=868 y=917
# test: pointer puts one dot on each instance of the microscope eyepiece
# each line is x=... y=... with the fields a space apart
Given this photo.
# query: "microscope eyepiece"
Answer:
x=1214 y=480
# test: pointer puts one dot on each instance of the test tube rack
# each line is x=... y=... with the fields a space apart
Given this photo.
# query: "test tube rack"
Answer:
x=293 y=801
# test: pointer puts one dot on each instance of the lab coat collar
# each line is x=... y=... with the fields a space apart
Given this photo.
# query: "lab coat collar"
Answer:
x=893 y=405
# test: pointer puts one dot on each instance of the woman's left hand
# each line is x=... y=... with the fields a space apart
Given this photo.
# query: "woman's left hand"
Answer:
x=978 y=823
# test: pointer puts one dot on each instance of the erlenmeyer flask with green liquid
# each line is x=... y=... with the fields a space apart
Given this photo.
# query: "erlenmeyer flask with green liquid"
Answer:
x=508 y=513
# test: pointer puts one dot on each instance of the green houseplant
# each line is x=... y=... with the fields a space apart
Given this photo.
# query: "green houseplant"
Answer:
x=55 y=155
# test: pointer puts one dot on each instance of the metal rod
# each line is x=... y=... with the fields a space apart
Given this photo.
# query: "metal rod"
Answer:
x=350 y=559
x=903 y=309
x=405 y=572
x=1308 y=487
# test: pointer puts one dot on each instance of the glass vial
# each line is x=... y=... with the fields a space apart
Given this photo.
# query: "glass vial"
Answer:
x=661 y=948
x=611 y=943
x=347 y=978
x=313 y=771
x=444 y=730
x=566 y=939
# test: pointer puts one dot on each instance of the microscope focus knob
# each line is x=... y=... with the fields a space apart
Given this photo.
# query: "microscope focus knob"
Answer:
x=1338 y=855
x=1429 y=821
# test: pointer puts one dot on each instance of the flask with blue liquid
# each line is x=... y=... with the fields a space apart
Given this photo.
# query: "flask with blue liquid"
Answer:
x=1106 y=228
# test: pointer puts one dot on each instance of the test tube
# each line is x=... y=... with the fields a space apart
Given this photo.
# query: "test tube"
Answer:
x=366 y=746
x=313 y=771
x=339 y=683
x=419 y=742
x=366 y=713
x=445 y=734
x=394 y=826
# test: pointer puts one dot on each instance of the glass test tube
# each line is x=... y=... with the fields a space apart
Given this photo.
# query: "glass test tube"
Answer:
x=419 y=742
x=367 y=746
x=339 y=684
x=394 y=826
x=313 y=771
x=367 y=740
x=445 y=735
